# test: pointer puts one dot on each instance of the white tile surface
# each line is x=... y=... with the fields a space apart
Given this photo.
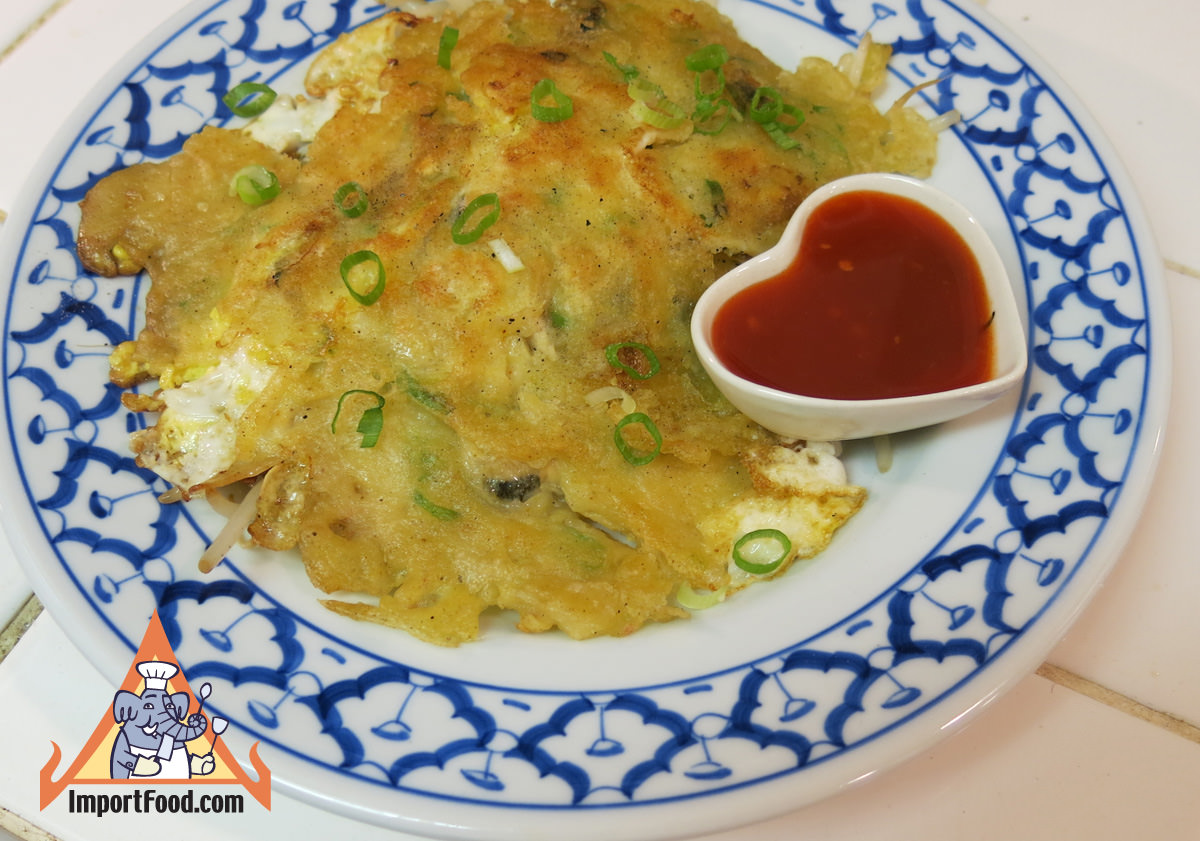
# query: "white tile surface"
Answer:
x=86 y=37
x=1135 y=66
x=19 y=18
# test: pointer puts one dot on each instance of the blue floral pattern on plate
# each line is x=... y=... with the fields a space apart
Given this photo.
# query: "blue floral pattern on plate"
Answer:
x=396 y=742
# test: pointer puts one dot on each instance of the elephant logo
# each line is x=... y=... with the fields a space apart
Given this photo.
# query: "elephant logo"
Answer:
x=155 y=729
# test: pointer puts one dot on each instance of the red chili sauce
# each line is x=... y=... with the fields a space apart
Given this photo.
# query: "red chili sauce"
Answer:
x=884 y=299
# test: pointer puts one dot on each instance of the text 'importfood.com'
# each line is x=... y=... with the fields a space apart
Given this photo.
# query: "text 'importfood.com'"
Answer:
x=149 y=801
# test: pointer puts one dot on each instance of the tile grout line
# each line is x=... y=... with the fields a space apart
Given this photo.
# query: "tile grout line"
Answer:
x=23 y=828
x=1180 y=268
x=23 y=36
x=18 y=625
x=33 y=27
x=1119 y=702
x=10 y=635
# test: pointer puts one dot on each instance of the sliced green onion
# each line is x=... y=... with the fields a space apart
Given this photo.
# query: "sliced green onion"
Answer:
x=446 y=46
x=706 y=107
x=562 y=109
x=351 y=199
x=795 y=115
x=254 y=184
x=766 y=105
x=370 y=425
x=718 y=89
x=249 y=99
x=750 y=548
x=438 y=511
x=780 y=135
x=349 y=275
x=713 y=115
x=613 y=354
x=423 y=396
x=479 y=203
x=666 y=115
x=627 y=71
x=371 y=422
x=707 y=58
x=786 y=121
x=643 y=90
x=651 y=106
x=691 y=600
x=717 y=193
x=632 y=455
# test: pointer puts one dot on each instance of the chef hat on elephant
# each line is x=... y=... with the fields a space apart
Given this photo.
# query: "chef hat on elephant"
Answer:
x=156 y=673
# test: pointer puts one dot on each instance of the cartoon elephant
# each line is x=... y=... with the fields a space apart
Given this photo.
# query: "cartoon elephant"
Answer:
x=154 y=733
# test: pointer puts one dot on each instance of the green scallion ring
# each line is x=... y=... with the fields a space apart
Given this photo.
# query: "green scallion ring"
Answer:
x=627 y=71
x=665 y=114
x=479 y=203
x=707 y=58
x=718 y=89
x=351 y=199
x=766 y=105
x=643 y=90
x=651 y=106
x=753 y=537
x=438 y=511
x=613 y=351
x=254 y=184
x=446 y=46
x=780 y=135
x=689 y=599
x=717 y=193
x=249 y=99
x=352 y=261
x=795 y=117
x=712 y=116
x=636 y=457
x=706 y=107
x=370 y=424
x=562 y=109
x=423 y=396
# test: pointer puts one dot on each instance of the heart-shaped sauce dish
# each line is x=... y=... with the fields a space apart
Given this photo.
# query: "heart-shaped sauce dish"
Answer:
x=885 y=306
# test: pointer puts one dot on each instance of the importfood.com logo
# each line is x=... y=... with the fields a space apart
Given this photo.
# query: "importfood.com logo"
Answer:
x=150 y=801
x=156 y=736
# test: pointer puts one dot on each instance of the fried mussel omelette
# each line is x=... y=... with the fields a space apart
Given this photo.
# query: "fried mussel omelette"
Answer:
x=494 y=403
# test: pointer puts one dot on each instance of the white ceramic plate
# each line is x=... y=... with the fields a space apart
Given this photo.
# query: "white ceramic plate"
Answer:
x=970 y=559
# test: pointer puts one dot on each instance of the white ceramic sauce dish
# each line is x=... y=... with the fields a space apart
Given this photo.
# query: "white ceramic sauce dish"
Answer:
x=826 y=419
